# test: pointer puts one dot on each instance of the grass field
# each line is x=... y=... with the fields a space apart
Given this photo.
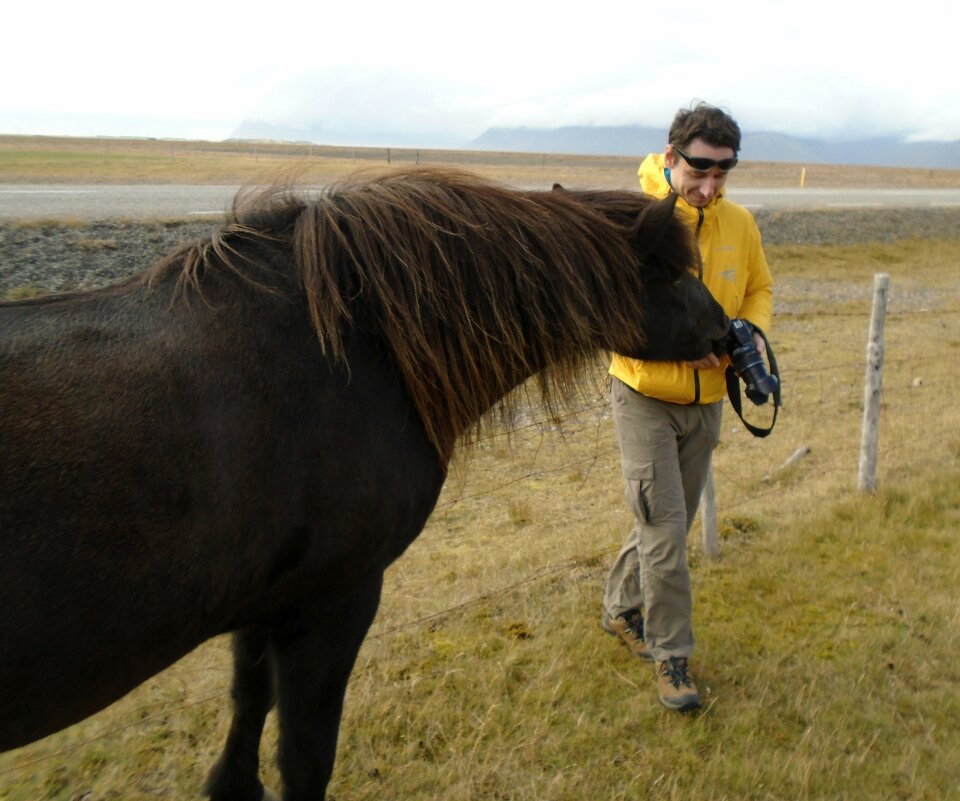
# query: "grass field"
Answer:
x=827 y=630
x=37 y=159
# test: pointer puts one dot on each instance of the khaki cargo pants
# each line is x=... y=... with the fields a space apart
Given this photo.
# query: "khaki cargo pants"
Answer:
x=665 y=455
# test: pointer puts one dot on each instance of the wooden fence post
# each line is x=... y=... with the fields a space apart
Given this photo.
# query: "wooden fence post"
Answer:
x=873 y=385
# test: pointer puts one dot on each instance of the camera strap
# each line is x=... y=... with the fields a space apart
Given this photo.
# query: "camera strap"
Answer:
x=736 y=399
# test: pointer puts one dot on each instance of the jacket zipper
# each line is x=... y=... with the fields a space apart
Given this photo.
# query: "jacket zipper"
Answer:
x=696 y=372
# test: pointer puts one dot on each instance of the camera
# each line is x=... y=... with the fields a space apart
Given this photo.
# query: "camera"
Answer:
x=747 y=362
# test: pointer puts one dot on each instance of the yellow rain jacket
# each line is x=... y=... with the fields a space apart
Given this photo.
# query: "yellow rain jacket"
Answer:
x=735 y=271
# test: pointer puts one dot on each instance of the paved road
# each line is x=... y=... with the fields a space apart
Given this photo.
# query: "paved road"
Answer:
x=845 y=198
x=98 y=202
x=136 y=202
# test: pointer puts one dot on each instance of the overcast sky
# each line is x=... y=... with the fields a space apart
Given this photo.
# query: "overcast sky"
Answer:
x=197 y=69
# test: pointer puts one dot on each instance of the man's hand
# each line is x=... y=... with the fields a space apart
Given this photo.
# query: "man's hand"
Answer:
x=710 y=360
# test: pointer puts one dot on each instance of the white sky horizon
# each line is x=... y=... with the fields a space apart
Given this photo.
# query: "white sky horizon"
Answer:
x=199 y=70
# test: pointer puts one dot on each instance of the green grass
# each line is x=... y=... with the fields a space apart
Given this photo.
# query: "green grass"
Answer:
x=827 y=664
x=827 y=632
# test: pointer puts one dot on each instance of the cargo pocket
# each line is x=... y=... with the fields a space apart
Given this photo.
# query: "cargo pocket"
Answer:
x=638 y=478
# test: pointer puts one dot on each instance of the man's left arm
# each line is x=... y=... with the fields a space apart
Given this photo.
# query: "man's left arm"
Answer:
x=757 y=304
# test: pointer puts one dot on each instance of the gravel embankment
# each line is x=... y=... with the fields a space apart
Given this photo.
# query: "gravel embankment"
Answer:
x=52 y=257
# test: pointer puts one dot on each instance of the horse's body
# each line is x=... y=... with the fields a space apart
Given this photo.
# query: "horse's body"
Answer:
x=245 y=436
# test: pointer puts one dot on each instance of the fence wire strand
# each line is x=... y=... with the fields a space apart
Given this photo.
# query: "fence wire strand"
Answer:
x=806 y=394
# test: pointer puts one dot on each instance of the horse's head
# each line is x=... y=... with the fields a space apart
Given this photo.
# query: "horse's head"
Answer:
x=681 y=320
x=678 y=317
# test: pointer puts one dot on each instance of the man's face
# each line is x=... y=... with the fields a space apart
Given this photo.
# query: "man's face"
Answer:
x=697 y=187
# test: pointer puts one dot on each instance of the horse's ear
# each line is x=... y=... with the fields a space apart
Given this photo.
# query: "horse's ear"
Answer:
x=660 y=236
x=558 y=188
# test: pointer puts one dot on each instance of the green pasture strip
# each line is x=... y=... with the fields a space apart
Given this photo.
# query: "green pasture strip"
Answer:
x=68 y=166
x=919 y=261
x=12 y=161
x=826 y=658
x=511 y=167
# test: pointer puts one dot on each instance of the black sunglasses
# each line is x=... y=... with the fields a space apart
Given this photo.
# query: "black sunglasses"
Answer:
x=704 y=164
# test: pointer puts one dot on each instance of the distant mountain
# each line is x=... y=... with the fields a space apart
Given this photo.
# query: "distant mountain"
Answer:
x=634 y=140
x=627 y=140
x=624 y=140
x=320 y=134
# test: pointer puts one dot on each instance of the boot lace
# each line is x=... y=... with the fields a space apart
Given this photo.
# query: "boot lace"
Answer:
x=634 y=620
x=675 y=671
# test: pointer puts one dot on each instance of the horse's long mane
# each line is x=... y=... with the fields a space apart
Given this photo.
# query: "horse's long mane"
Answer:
x=472 y=286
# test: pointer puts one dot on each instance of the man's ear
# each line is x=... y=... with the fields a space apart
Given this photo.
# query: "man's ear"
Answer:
x=669 y=157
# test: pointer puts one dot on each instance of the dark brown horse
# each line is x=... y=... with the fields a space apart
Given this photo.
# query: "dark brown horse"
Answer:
x=244 y=436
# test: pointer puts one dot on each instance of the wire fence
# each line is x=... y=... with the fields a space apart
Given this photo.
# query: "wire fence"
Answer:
x=822 y=413
x=823 y=399
x=303 y=151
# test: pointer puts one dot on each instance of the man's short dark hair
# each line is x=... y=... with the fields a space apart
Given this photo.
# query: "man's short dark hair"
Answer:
x=709 y=123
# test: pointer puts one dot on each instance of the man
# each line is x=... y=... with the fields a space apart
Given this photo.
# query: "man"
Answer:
x=667 y=414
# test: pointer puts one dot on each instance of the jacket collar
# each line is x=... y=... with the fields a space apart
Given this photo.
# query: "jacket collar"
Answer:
x=653 y=181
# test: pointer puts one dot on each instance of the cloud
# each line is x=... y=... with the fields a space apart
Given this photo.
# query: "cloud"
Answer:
x=462 y=67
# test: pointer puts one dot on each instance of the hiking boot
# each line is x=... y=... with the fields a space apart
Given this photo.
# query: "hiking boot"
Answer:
x=676 y=688
x=628 y=626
